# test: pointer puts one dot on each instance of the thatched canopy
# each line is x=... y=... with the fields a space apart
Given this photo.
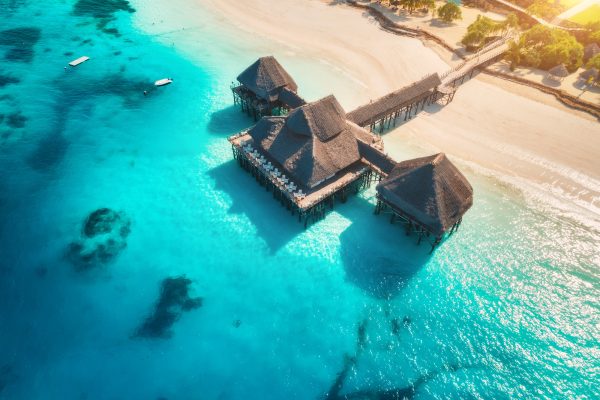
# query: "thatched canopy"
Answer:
x=369 y=113
x=590 y=51
x=560 y=71
x=266 y=78
x=591 y=73
x=313 y=143
x=430 y=190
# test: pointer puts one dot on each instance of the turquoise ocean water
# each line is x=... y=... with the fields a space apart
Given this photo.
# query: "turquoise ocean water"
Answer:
x=506 y=308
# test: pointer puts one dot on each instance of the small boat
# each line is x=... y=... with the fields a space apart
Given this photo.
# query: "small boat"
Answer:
x=163 y=82
x=78 y=61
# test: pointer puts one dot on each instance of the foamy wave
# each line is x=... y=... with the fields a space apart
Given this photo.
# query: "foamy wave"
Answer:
x=548 y=197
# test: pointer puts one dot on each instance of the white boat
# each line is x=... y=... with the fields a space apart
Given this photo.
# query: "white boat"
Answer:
x=163 y=82
x=78 y=61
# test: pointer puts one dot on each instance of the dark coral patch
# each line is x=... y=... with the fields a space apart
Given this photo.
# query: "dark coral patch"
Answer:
x=18 y=54
x=100 y=221
x=104 y=237
x=173 y=301
x=20 y=36
x=21 y=42
x=16 y=120
x=103 y=11
x=8 y=80
x=101 y=8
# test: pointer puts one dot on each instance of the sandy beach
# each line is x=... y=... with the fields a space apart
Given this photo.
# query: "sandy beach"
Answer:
x=520 y=135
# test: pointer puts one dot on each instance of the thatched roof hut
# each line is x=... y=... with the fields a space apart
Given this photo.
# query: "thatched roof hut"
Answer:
x=559 y=72
x=431 y=191
x=590 y=51
x=266 y=78
x=590 y=74
x=313 y=143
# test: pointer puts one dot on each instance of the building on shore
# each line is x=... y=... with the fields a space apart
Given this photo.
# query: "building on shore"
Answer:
x=429 y=195
x=265 y=88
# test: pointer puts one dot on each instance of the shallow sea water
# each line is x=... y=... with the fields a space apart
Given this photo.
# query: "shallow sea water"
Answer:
x=508 y=307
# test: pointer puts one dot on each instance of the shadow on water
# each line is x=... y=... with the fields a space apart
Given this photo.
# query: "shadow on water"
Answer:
x=228 y=121
x=273 y=222
x=378 y=257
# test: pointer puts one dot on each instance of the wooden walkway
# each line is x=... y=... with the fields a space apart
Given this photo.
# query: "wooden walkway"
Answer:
x=406 y=102
x=387 y=109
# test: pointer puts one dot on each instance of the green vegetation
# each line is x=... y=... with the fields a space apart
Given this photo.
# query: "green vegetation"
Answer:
x=543 y=47
x=590 y=14
x=546 y=9
x=483 y=28
x=449 y=12
x=412 y=5
x=594 y=62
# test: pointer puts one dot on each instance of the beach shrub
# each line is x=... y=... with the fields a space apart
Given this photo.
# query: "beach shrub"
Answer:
x=449 y=12
x=482 y=28
x=546 y=9
x=594 y=62
x=543 y=47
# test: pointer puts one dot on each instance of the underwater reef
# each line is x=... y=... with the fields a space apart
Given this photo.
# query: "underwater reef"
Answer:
x=20 y=42
x=103 y=237
x=103 y=12
x=174 y=300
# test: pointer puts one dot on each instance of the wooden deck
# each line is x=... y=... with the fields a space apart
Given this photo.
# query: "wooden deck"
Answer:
x=312 y=205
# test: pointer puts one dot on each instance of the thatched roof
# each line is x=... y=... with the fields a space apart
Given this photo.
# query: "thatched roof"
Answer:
x=266 y=77
x=590 y=51
x=590 y=73
x=431 y=190
x=559 y=71
x=290 y=98
x=369 y=113
x=312 y=143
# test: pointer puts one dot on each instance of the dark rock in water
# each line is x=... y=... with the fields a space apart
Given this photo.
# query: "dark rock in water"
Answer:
x=16 y=120
x=8 y=80
x=104 y=237
x=68 y=53
x=21 y=41
x=47 y=50
x=173 y=301
x=406 y=320
x=361 y=339
x=395 y=326
x=100 y=221
x=117 y=53
x=237 y=323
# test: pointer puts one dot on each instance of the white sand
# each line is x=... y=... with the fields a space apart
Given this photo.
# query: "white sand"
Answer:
x=515 y=133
